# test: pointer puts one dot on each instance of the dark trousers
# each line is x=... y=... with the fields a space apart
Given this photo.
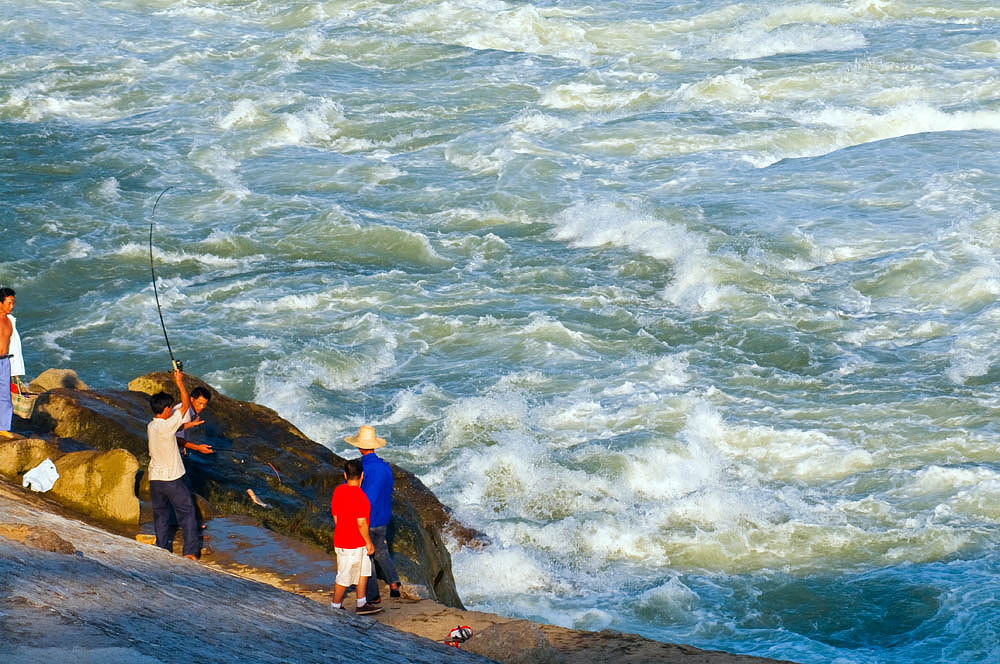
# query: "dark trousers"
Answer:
x=176 y=495
x=383 y=561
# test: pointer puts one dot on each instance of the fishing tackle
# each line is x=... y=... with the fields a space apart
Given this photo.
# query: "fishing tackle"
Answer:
x=177 y=364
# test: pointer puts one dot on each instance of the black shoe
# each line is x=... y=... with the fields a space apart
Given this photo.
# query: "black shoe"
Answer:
x=367 y=610
x=376 y=602
x=394 y=592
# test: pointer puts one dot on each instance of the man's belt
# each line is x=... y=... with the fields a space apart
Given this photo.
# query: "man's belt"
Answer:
x=6 y=357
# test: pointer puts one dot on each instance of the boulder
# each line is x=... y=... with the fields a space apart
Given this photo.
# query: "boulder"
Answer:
x=51 y=379
x=256 y=449
x=517 y=642
x=21 y=455
x=101 y=484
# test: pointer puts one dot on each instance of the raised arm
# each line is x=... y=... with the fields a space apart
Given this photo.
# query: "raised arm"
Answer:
x=185 y=397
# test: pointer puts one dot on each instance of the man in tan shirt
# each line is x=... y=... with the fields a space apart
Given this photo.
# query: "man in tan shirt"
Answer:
x=167 y=488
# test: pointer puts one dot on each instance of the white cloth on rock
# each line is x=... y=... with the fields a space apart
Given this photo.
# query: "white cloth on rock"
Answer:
x=41 y=477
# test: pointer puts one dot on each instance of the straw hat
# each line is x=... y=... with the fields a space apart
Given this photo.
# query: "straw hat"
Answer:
x=366 y=439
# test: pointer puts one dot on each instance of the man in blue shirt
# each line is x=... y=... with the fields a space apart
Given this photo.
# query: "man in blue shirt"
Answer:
x=377 y=485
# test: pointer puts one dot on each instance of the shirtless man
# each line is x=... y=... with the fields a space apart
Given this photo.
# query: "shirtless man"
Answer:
x=6 y=330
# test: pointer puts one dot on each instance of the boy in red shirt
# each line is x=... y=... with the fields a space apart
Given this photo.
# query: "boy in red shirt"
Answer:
x=351 y=541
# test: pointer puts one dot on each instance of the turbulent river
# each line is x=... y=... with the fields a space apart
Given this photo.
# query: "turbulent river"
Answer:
x=690 y=306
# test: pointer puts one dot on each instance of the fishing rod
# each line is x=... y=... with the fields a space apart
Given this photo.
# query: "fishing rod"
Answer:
x=177 y=364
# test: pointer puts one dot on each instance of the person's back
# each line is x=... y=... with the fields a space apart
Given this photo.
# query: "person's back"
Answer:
x=350 y=509
x=168 y=491
x=349 y=503
x=165 y=463
x=377 y=485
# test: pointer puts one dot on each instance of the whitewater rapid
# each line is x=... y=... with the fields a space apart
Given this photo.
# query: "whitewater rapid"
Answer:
x=690 y=307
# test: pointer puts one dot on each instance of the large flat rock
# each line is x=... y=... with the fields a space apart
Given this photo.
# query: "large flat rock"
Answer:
x=120 y=601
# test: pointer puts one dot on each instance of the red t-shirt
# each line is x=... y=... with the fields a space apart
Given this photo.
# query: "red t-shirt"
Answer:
x=349 y=503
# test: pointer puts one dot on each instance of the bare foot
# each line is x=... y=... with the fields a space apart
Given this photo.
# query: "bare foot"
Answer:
x=191 y=556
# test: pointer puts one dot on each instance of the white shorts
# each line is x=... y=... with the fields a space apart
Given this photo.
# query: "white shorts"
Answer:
x=352 y=564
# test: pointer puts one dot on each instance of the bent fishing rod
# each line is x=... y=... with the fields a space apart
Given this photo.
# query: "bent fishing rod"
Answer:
x=176 y=364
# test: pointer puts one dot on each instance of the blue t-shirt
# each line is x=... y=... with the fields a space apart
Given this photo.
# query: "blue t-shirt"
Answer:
x=377 y=485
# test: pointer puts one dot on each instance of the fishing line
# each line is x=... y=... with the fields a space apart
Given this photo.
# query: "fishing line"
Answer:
x=177 y=364
x=252 y=457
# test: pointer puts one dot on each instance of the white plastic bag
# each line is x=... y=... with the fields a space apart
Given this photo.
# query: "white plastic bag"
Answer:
x=41 y=477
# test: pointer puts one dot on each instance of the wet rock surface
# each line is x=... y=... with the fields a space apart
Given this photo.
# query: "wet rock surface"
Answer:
x=259 y=451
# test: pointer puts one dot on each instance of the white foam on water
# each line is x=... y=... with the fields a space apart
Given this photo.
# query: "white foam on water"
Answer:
x=474 y=421
x=670 y=602
x=496 y=25
x=975 y=346
x=596 y=97
x=284 y=383
x=543 y=327
x=694 y=285
x=730 y=88
x=807 y=13
x=76 y=248
x=109 y=190
x=32 y=103
x=878 y=333
x=317 y=125
x=187 y=10
x=135 y=250
x=245 y=113
x=936 y=479
x=536 y=122
x=985 y=47
x=414 y=404
x=472 y=159
x=758 y=41
x=54 y=339
x=832 y=129
x=671 y=371
x=217 y=163
x=485 y=571
x=796 y=456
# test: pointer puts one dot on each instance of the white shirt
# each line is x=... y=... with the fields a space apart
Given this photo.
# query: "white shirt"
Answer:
x=16 y=362
x=165 y=462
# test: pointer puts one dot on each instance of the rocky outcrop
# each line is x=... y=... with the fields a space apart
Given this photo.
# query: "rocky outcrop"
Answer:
x=260 y=451
x=99 y=484
x=51 y=379
x=21 y=455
